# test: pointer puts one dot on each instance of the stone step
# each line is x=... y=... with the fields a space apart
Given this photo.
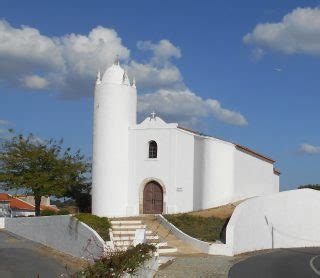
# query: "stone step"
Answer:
x=167 y=249
x=131 y=237
x=129 y=227
x=127 y=232
x=125 y=222
x=130 y=242
x=159 y=244
x=164 y=259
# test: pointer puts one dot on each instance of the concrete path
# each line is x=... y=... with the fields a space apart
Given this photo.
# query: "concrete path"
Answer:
x=23 y=258
x=199 y=266
x=300 y=262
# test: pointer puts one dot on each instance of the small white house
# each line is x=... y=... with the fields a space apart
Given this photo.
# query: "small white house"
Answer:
x=158 y=167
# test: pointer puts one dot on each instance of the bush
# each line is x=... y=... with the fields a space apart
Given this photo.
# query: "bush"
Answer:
x=63 y=212
x=118 y=263
x=100 y=224
x=203 y=228
x=48 y=212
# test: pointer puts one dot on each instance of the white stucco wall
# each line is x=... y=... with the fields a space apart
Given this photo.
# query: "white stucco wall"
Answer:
x=196 y=172
x=281 y=220
x=63 y=233
x=15 y=213
x=216 y=167
x=114 y=111
x=252 y=176
x=172 y=169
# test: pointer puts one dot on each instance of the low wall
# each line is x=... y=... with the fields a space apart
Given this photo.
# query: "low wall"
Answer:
x=282 y=220
x=205 y=247
x=2 y=220
x=63 y=233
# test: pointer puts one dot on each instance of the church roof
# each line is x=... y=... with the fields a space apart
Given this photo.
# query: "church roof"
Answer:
x=245 y=149
x=239 y=147
x=276 y=171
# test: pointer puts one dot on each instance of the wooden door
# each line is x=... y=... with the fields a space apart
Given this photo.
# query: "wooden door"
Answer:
x=152 y=198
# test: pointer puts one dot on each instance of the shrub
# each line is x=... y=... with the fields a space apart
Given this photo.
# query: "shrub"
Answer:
x=100 y=224
x=63 y=212
x=118 y=263
x=203 y=228
x=48 y=212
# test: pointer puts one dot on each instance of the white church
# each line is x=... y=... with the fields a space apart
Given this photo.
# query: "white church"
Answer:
x=156 y=167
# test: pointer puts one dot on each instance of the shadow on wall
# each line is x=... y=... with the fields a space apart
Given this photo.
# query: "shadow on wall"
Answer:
x=283 y=220
x=63 y=233
x=224 y=231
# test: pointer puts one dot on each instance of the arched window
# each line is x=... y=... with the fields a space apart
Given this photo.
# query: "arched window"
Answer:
x=153 y=149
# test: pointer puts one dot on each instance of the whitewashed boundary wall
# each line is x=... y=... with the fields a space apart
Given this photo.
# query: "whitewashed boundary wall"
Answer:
x=205 y=247
x=282 y=220
x=63 y=233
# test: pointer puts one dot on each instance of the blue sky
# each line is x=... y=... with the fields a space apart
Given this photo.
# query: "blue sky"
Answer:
x=259 y=90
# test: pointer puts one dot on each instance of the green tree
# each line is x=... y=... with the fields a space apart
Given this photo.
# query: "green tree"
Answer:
x=81 y=194
x=311 y=186
x=40 y=168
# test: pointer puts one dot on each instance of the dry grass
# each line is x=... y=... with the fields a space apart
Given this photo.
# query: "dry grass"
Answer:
x=222 y=212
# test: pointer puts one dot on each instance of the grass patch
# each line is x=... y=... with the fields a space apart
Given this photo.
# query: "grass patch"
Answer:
x=100 y=224
x=203 y=228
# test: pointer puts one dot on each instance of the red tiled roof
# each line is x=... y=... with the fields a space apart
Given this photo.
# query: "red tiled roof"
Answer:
x=189 y=130
x=16 y=203
x=255 y=153
x=276 y=171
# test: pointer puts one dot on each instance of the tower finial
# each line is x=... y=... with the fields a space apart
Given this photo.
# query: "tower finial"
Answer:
x=153 y=116
x=98 y=80
x=116 y=60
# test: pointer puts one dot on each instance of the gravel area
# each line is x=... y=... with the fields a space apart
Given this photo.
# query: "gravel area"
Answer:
x=198 y=266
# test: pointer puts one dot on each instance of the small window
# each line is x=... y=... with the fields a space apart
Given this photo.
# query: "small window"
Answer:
x=153 y=149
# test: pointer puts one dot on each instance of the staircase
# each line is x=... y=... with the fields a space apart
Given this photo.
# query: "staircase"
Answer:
x=122 y=234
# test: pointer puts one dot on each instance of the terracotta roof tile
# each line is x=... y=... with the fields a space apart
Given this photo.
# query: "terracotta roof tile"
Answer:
x=276 y=171
x=16 y=203
x=255 y=153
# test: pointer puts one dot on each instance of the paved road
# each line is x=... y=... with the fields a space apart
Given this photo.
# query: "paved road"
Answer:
x=300 y=262
x=197 y=266
x=23 y=258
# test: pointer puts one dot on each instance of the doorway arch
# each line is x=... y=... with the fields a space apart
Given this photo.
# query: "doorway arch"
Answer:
x=152 y=198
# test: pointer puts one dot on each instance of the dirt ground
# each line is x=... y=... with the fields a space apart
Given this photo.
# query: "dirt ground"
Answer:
x=222 y=212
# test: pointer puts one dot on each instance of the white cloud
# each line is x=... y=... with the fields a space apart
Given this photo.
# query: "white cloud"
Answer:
x=68 y=65
x=24 y=49
x=309 y=149
x=162 y=51
x=34 y=82
x=149 y=76
x=4 y=122
x=298 y=32
x=226 y=115
x=257 y=54
x=187 y=106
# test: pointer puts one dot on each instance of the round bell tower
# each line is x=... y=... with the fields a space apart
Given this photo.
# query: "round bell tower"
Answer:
x=115 y=109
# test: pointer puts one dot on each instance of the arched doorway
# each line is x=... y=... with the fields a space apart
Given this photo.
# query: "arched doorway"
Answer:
x=152 y=198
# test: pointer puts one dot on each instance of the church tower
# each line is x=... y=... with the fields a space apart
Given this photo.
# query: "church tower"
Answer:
x=115 y=108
